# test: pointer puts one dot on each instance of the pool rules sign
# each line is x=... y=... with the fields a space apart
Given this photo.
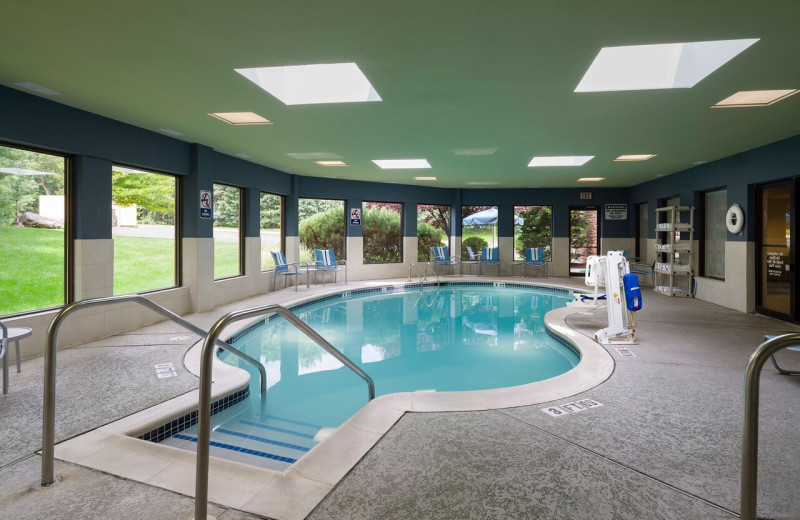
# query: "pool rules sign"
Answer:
x=205 y=204
x=616 y=212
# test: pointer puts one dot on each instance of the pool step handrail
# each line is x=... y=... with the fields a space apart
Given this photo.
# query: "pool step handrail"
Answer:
x=421 y=279
x=49 y=399
x=204 y=407
x=752 y=377
x=428 y=264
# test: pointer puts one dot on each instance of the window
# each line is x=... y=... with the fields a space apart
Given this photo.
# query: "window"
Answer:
x=715 y=205
x=642 y=228
x=32 y=224
x=143 y=208
x=382 y=228
x=271 y=219
x=479 y=228
x=321 y=227
x=227 y=231
x=533 y=227
x=433 y=229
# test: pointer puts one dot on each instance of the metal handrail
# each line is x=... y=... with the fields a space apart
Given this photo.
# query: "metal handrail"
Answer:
x=204 y=407
x=414 y=267
x=433 y=268
x=49 y=400
x=752 y=377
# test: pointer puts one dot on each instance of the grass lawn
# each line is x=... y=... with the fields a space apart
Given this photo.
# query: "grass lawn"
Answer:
x=143 y=264
x=226 y=259
x=31 y=269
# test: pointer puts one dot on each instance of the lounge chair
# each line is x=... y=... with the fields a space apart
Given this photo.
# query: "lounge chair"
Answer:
x=490 y=257
x=327 y=263
x=638 y=268
x=534 y=257
x=441 y=257
x=474 y=259
x=782 y=371
x=286 y=269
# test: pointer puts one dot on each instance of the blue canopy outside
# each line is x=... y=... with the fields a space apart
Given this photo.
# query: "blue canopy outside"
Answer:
x=487 y=217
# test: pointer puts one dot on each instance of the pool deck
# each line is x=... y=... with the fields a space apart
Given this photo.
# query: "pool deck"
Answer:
x=665 y=444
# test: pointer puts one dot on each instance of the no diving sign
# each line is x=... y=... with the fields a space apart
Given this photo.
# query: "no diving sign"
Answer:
x=573 y=407
x=205 y=204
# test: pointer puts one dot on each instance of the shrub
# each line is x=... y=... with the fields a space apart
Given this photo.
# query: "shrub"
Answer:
x=324 y=231
x=536 y=230
x=383 y=236
x=476 y=243
x=428 y=236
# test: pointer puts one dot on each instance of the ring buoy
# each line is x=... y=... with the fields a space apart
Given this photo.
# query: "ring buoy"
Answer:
x=734 y=219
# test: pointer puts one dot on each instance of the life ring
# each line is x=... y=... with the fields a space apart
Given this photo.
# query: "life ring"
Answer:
x=734 y=219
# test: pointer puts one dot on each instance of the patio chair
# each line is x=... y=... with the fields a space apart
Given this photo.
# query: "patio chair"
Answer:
x=286 y=269
x=534 y=257
x=638 y=268
x=474 y=259
x=490 y=257
x=327 y=263
x=780 y=370
x=441 y=257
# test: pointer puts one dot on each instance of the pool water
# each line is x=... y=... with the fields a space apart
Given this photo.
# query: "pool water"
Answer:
x=447 y=338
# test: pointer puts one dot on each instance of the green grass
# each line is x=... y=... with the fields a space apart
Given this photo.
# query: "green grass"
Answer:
x=226 y=259
x=481 y=232
x=143 y=264
x=31 y=269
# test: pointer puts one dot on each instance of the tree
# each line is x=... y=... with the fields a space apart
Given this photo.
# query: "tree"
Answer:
x=152 y=191
x=436 y=215
x=226 y=206
x=324 y=231
x=270 y=211
x=20 y=192
x=383 y=234
x=309 y=207
x=536 y=230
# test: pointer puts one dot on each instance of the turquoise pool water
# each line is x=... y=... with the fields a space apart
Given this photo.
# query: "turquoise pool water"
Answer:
x=446 y=338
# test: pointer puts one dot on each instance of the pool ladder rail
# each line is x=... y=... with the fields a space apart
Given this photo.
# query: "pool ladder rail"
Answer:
x=421 y=277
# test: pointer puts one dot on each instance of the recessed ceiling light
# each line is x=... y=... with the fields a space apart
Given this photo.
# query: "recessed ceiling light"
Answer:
x=566 y=160
x=243 y=155
x=311 y=84
x=331 y=163
x=755 y=98
x=474 y=151
x=402 y=164
x=314 y=156
x=591 y=179
x=699 y=162
x=623 y=158
x=241 y=118
x=424 y=178
x=645 y=67
x=481 y=183
x=170 y=131
x=38 y=88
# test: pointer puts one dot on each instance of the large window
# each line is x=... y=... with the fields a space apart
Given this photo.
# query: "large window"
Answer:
x=227 y=231
x=533 y=227
x=32 y=223
x=715 y=205
x=143 y=227
x=433 y=229
x=479 y=228
x=321 y=227
x=271 y=219
x=382 y=228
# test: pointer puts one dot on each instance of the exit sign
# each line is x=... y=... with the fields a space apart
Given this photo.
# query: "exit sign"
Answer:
x=586 y=195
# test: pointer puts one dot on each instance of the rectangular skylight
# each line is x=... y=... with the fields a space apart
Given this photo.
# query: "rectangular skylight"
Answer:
x=331 y=163
x=481 y=183
x=38 y=88
x=402 y=164
x=474 y=151
x=311 y=84
x=173 y=133
x=641 y=157
x=424 y=178
x=755 y=98
x=566 y=160
x=646 y=67
x=591 y=179
x=243 y=155
x=241 y=118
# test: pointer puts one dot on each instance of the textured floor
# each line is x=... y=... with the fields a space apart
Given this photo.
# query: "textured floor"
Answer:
x=664 y=445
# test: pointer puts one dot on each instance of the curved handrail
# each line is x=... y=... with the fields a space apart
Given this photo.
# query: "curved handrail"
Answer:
x=49 y=400
x=752 y=377
x=204 y=406
x=433 y=268
x=414 y=267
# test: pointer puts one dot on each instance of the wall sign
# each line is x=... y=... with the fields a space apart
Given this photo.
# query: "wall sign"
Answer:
x=616 y=212
x=205 y=204
x=355 y=216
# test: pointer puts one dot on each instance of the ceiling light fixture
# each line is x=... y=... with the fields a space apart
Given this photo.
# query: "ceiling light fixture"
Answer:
x=646 y=67
x=240 y=118
x=623 y=158
x=312 y=84
x=424 y=178
x=755 y=98
x=565 y=160
x=170 y=131
x=35 y=87
x=331 y=163
x=474 y=151
x=402 y=164
x=243 y=155
x=481 y=183
x=591 y=179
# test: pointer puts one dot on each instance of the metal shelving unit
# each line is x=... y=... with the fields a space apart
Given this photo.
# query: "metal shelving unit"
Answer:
x=672 y=271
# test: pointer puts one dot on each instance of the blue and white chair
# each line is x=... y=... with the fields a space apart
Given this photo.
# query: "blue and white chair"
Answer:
x=327 y=263
x=286 y=269
x=441 y=257
x=780 y=370
x=534 y=257
x=474 y=259
x=491 y=257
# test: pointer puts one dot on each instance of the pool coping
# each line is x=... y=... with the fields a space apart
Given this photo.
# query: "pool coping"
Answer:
x=295 y=492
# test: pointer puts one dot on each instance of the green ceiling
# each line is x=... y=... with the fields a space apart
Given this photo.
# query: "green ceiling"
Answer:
x=452 y=75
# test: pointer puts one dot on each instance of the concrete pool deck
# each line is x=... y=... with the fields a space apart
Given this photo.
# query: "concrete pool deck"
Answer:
x=665 y=443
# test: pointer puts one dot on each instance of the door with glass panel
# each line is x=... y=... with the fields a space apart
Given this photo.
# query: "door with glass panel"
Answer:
x=584 y=237
x=775 y=255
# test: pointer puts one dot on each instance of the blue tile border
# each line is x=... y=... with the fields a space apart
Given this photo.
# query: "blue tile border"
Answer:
x=231 y=447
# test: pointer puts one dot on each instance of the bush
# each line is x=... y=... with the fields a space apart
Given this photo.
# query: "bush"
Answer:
x=428 y=236
x=324 y=231
x=383 y=236
x=536 y=231
x=476 y=243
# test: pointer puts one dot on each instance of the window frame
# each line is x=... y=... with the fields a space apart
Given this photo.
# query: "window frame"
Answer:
x=704 y=232
x=241 y=214
x=402 y=227
x=548 y=252
x=282 y=240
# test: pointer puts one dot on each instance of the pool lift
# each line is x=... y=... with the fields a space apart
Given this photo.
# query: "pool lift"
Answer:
x=623 y=297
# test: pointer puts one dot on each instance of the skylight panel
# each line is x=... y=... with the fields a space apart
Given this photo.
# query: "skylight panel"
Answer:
x=241 y=118
x=647 y=67
x=424 y=178
x=591 y=179
x=313 y=84
x=755 y=98
x=402 y=164
x=565 y=160
x=331 y=163
x=35 y=87
x=170 y=131
x=635 y=157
